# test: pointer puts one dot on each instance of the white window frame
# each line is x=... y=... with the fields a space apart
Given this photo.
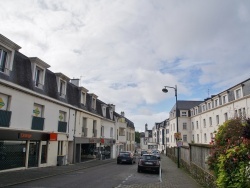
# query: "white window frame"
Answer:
x=217 y=119
x=184 y=125
x=62 y=87
x=184 y=138
x=224 y=99
x=210 y=122
x=238 y=93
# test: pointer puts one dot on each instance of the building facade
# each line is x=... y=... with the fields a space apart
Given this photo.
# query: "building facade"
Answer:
x=48 y=119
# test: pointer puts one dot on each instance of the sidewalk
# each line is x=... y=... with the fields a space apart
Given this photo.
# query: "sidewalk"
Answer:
x=172 y=177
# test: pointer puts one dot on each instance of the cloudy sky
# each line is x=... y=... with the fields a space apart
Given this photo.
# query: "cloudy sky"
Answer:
x=125 y=51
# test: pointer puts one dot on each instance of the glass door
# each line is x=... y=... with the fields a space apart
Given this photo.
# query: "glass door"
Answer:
x=33 y=153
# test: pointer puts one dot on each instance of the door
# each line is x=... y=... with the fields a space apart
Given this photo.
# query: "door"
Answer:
x=33 y=153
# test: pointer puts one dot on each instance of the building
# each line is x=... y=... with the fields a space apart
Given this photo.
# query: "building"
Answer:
x=48 y=119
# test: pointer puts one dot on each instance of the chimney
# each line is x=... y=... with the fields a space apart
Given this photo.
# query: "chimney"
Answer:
x=123 y=114
x=75 y=82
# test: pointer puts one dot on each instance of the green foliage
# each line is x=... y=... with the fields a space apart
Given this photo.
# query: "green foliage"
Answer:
x=137 y=137
x=230 y=156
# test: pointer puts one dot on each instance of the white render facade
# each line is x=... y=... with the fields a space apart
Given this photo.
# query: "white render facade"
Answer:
x=47 y=119
x=199 y=123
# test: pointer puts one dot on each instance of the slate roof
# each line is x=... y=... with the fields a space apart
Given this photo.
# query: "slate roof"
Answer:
x=21 y=74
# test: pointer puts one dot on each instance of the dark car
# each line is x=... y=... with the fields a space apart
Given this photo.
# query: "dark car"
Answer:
x=156 y=153
x=149 y=162
x=143 y=152
x=126 y=157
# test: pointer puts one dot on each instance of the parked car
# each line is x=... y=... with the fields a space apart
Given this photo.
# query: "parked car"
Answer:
x=149 y=162
x=156 y=153
x=126 y=157
x=143 y=152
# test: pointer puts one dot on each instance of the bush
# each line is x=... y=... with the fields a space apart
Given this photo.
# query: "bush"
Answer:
x=230 y=156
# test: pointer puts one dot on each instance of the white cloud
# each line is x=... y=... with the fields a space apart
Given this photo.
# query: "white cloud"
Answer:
x=126 y=51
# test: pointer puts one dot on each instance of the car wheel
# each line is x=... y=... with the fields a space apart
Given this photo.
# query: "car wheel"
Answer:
x=138 y=170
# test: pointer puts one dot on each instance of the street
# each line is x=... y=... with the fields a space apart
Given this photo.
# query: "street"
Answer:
x=110 y=175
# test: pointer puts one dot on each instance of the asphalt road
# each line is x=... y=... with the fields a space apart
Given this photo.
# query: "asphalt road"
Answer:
x=110 y=175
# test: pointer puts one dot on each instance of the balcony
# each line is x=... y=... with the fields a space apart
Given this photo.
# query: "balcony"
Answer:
x=37 y=123
x=5 y=118
x=62 y=126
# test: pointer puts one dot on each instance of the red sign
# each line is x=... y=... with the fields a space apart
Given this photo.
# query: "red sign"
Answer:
x=102 y=140
x=53 y=136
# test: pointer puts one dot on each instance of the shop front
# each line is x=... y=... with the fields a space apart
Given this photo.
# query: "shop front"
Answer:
x=92 y=148
x=22 y=149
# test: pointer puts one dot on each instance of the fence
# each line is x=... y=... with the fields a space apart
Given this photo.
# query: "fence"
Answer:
x=193 y=158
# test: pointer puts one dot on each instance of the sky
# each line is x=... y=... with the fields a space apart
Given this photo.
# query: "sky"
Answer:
x=126 y=51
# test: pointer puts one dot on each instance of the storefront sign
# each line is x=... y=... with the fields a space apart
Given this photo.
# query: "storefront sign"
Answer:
x=102 y=140
x=53 y=136
x=25 y=136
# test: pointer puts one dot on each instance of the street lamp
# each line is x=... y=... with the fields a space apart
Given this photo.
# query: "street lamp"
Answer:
x=165 y=90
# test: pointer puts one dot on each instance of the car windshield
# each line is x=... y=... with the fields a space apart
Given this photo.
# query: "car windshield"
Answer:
x=124 y=154
x=149 y=157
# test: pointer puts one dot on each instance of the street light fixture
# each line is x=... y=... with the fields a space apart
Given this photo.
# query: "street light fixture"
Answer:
x=165 y=90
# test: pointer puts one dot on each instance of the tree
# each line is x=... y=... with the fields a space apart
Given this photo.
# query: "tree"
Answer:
x=137 y=137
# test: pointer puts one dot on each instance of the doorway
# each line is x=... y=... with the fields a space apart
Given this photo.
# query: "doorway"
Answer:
x=33 y=153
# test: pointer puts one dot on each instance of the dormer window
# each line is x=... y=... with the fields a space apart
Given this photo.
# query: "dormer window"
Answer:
x=93 y=101
x=7 y=51
x=83 y=95
x=104 y=107
x=39 y=77
x=111 y=113
x=62 y=89
x=62 y=84
x=3 y=60
x=38 y=71
x=216 y=102
x=184 y=113
x=238 y=93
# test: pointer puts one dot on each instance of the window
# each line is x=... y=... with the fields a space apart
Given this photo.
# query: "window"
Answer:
x=83 y=98
x=244 y=112
x=102 y=131
x=210 y=121
x=111 y=132
x=198 y=138
x=184 y=126
x=62 y=89
x=39 y=77
x=5 y=115
x=216 y=102
x=193 y=137
x=3 y=60
x=184 y=114
x=204 y=123
x=196 y=111
x=84 y=127
x=192 y=112
x=217 y=119
x=94 y=129
x=62 y=124
x=93 y=103
x=38 y=110
x=209 y=106
x=174 y=127
x=235 y=114
x=121 y=131
x=167 y=131
x=60 y=148
x=226 y=117
x=104 y=111
x=237 y=93
x=203 y=108
x=38 y=71
x=184 y=138
x=197 y=125
x=4 y=101
x=224 y=99
x=192 y=125
x=205 y=137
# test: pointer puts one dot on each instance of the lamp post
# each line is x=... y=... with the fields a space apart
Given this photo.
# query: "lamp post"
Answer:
x=165 y=90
